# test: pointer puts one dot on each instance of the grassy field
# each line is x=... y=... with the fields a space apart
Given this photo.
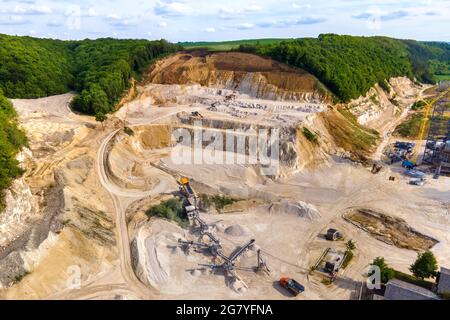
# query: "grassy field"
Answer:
x=411 y=126
x=228 y=45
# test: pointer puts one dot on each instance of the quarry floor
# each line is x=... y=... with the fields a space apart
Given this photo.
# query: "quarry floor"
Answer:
x=291 y=243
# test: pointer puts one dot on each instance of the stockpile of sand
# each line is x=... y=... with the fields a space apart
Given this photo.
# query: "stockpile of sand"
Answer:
x=237 y=231
x=301 y=209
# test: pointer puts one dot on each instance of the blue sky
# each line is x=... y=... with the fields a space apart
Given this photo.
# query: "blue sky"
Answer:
x=196 y=20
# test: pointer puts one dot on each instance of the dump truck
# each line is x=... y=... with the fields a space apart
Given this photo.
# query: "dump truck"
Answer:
x=292 y=286
x=186 y=188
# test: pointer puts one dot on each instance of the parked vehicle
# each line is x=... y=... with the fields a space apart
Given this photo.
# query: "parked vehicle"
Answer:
x=292 y=286
x=415 y=173
x=418 y=182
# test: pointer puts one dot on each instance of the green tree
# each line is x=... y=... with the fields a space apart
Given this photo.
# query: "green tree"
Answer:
x=425 y=265
x=101 y=117
x=387 y=273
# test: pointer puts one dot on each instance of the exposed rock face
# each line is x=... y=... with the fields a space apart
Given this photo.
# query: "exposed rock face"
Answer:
x=378 y=107
x=21 y=207
x=11 y=269
x=245 y=73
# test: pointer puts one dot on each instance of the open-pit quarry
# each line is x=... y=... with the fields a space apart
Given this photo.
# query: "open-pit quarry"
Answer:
x=76 y=226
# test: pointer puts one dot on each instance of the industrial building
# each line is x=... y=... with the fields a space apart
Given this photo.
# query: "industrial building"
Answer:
x=400 y=290
x=444 y=281
x=437 y=150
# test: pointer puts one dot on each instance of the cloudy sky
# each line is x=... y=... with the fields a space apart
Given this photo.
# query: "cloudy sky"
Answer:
x=196 y=20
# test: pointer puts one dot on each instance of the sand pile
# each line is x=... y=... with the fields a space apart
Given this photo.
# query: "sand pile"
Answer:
x=237 y=231
x=301 y=209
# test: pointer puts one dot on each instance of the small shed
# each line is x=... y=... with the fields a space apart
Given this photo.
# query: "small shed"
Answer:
x=333 y=235
x=444 y=281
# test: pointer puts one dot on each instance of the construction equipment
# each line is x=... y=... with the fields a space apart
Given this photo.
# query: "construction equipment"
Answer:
x=408 y=164
x=415 y=173
x=333 y=235
x=429 y=109
x=376 y=168
x=418 y=182
x=262 y=265
x=292 y=286
x=213 y=248
x=186 y=189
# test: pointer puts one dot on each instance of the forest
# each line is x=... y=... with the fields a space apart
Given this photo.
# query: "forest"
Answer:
x=12 y=139
x=99 y=70
x=103 y=69
x=349 y=66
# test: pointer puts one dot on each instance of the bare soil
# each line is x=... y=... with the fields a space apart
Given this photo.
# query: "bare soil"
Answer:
x=391 y=230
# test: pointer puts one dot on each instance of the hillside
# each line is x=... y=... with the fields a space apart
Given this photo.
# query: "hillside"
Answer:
x=12 y=139
x=32 y=68
x=99 y=70
x=350 y=66
x=250 y=74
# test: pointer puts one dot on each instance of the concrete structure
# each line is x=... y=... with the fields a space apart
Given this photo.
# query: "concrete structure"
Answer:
x=444 y=281
x=400 y=290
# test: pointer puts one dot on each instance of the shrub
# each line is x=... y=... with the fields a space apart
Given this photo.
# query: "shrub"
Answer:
x=129 y=131
x=348 y=258
x=312 y=137
x=219 y=202
x=387 y=273
x=171 y=210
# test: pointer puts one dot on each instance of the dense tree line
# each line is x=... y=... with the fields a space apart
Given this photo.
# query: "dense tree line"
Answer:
x=32 y=68
x=105 y=66
x=99 y=70
x=349 y=66
x=12 y=139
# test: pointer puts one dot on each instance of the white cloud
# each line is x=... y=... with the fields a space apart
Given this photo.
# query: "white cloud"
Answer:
x=31 y=10
x=245 y=26
x=298 y=6
x=163 y=24
x=253 y=8
x=209 y=30
x=13 y=20
x=91 y=12
x=171 y=8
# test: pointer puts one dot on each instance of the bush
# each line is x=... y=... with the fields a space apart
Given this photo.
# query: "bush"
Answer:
x=410 y=128
x=312 y=137
x=12 y=139
x=348 y=258
x=418 y=105
x=219 y=202
x=129 y=131
x=413 y=280
x=171 y=210
x=387 y=273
